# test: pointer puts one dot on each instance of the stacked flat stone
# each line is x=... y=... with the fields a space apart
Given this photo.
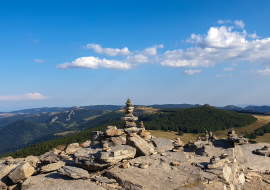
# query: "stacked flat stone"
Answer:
x=129 y=118
x=232 y=137
x=178 y=145
x=145 y=135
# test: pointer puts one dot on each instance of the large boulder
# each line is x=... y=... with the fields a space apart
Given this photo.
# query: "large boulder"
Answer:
x=4 y=180
x=113 y=132
x=21 y=172
x=57 y=181
x=49 y=157
x=52 y=167
x=142 y=147
x=74 y=172
x=117 y=153
x=162 y=144
x=86 y=144
x=96 y=159
x=32 y=160
x=72 y=148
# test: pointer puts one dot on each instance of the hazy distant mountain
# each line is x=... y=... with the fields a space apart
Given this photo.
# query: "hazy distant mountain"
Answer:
x=169 y=106
x=258 y=108
x=231 y=107
x=103 y=107
x=41 y=110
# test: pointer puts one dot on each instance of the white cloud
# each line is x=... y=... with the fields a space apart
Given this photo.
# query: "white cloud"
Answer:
x=223 y=21
x=95 y=63
x=139 y=58
x=108 y=51
x=36 y=41
x=228 y=69
x=191 y=72
x=38 y=60
x=29 y=96
x=264 y=72
x=152 y=50
x=220 y=45
x=239 y=23
x=224 y=75
x=253 y=36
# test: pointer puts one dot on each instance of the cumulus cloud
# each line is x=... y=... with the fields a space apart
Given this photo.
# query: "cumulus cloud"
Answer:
x=221 y=44
x=108 y=51
x=152 y=50
x=264 y=72
x=38 y=60
x=224 y=21
x=95 y=63
x=139 y=58
x=239 y=23
x=29 y=96
x=253 y=36
x=191 y=72
x=228 y=69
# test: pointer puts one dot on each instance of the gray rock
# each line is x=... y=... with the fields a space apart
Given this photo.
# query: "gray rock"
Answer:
x=159 y=175
x=117 y=153
x=162 y=144
x=118 y=140
x=32 y=160
x=59 y=182
x=4 y=171
x=49 y=157
x=142 y=147
x=86 y=144
x=74 y=172
x=72 y=148
x=52 y=167
x=21 y=172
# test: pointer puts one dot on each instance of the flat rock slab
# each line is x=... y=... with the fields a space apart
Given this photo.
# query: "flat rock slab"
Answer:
x=52 y=167
x=159 y=175
x=246 y=153
x=59 y=182
x=162 y=144
x=74 y=172
x=142 y=147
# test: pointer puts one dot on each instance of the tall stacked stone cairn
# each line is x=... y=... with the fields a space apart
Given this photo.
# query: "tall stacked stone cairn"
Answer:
x=143 y=148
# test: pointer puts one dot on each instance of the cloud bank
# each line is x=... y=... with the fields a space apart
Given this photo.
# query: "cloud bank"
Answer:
x=29 y=96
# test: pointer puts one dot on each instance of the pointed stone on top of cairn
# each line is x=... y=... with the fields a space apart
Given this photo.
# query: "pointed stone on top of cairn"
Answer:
x=129 y=118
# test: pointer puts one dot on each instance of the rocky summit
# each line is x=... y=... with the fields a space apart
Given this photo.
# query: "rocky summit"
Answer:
x=131 y=158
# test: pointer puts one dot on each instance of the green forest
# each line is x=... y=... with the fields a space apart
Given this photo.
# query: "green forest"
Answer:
x=196 y=120
x=190 y=120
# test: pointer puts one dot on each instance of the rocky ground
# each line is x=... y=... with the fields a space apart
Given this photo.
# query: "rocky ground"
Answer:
x=137 y=161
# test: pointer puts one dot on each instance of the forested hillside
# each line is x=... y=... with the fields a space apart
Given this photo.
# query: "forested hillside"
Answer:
x=24 y=133
x=196 y=120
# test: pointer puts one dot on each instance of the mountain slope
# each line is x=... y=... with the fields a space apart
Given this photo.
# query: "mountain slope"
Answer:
x=19 y=133
x=258 y=108
x=103 y=107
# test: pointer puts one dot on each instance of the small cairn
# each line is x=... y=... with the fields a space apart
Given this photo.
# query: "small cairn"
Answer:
x=144 y=133
x=178 y=145
x=233 y=137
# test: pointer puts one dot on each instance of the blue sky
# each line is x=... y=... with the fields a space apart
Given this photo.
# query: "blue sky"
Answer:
x=75 y=53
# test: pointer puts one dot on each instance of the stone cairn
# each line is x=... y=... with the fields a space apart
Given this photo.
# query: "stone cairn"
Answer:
x=208 y=136
x=178 y=145
x=233 y=137
x=130 y=126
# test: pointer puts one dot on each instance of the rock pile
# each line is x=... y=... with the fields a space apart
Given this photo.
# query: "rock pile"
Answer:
x=264 y=151
x=178 y=145
x=232 y=137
